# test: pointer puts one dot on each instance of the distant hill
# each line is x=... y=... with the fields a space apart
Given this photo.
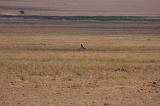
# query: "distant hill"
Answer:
x=82 y=7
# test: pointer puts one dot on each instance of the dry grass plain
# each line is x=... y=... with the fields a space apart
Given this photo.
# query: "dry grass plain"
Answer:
x=49 y=69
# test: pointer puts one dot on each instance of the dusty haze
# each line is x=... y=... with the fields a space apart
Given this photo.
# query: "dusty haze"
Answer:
x=81 y=7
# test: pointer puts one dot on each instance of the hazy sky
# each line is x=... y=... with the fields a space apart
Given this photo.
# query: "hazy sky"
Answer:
x=81 y=7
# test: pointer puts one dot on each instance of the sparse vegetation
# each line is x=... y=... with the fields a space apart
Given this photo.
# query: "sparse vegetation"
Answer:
x=55 y=55
x=42 y=64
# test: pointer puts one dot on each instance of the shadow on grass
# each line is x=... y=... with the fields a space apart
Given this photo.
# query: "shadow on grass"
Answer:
x=109 y=49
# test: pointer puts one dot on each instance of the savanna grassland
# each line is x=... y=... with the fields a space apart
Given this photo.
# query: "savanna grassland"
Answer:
x=41 y=64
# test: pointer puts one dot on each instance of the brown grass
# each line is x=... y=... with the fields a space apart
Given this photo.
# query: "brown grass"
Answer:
x=59 y=55
x=42 y=64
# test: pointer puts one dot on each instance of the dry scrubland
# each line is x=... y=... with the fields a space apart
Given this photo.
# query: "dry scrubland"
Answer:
x=51 y=70
x=106 y=56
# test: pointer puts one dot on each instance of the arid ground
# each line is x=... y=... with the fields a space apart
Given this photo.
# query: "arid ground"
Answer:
x=41 y=63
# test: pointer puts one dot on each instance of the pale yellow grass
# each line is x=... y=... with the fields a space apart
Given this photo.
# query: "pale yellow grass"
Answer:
x=106 y=57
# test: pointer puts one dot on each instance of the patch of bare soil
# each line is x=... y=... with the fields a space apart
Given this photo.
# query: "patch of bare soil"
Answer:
x=45 y=91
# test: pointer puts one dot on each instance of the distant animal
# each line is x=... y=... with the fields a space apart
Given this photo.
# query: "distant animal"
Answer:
x=21 y=12
x=82 y=47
